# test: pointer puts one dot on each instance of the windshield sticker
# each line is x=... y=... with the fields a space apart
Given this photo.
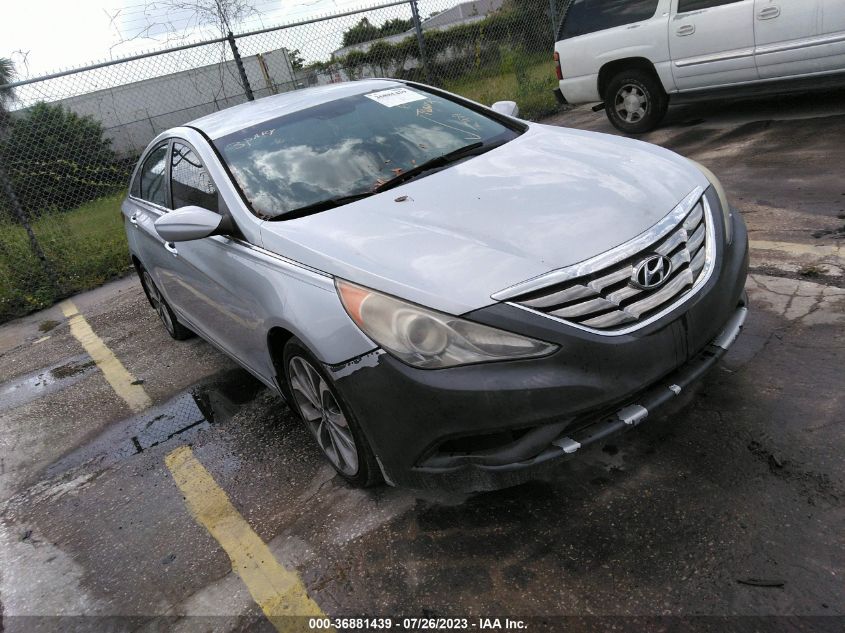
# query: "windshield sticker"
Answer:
x=395 y=96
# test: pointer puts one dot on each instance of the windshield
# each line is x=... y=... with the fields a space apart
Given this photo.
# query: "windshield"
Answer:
x=349 y=147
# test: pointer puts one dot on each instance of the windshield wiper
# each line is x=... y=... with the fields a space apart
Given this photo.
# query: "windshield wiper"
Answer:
x=322 y=205
x=434 y=163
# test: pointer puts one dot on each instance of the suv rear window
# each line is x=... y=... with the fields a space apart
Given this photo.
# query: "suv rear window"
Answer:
x=588 y=16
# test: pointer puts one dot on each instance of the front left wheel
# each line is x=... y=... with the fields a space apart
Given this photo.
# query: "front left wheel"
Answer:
x=330 y=421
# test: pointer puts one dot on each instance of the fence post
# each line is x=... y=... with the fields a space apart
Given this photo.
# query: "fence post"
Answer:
x=240 y=64
x=553 y=16
x=20 y=214
x=420 y=39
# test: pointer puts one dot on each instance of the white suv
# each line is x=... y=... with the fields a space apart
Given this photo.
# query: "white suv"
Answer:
x=636 y=55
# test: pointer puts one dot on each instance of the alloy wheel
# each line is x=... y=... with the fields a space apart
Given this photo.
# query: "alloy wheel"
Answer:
x=631 y=103
x=323 y=415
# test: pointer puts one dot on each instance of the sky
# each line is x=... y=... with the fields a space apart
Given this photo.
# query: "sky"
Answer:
x=54 y=35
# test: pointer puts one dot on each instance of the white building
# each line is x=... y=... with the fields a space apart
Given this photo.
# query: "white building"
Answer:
x=133 y=113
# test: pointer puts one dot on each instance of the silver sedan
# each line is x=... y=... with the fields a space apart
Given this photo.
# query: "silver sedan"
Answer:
x=447 y=295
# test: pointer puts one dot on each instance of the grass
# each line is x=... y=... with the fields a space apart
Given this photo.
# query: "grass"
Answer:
x=86 y=247
x=528 y=80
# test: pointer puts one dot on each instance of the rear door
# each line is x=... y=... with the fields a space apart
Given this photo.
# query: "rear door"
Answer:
x=712 y=43
x=150 y=200
x=786 y=34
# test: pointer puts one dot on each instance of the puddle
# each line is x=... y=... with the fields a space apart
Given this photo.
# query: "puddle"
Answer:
x=44 y=381
x=70 y=369
x=214 y=400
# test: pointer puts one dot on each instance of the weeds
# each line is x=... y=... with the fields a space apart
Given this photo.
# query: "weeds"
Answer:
x=528 y=79
x=86 y=247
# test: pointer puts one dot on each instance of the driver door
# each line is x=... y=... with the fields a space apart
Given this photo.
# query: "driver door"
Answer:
x=211 y=289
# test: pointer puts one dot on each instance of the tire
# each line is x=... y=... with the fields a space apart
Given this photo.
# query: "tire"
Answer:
x=635 y=88
x=335 y=430
x=160 y=305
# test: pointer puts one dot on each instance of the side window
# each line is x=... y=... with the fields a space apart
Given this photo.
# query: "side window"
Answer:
x=190 y=183
x=153 y=177
x=685 y=6
x=589 y=16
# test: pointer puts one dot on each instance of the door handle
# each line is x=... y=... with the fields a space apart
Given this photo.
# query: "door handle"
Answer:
x=769 y=13
x=134 y=219
x=686 y=29
x=171 y=248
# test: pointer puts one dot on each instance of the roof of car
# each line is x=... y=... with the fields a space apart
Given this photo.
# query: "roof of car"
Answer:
x=238 y=117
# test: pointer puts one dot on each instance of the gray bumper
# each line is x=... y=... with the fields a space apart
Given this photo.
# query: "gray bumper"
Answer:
x=493 y=425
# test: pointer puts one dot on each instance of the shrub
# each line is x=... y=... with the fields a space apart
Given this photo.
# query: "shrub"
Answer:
x=365 y=31
x=57 y=160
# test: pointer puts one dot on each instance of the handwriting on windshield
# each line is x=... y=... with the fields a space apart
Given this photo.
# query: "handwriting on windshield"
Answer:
x=248 y=142
x=426 y=111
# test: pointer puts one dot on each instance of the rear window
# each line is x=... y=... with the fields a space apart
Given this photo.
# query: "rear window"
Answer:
x=588 y=16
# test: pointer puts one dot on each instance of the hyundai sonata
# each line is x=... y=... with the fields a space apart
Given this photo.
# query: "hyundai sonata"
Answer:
x=447 y=295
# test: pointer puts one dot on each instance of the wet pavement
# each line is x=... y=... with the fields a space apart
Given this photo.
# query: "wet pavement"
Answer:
x=732 y=504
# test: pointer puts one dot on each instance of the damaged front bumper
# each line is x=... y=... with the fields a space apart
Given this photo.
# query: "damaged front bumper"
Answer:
x=493 y=425
x=568 y=442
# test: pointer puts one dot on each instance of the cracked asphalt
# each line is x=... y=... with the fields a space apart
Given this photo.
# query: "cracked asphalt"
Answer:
x=728 y=511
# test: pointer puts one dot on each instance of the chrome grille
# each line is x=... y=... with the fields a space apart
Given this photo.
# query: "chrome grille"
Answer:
x=604 y=298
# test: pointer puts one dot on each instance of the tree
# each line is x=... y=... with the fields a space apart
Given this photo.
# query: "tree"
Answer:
x=178 y=19
x=8 y=198
x=297 y=62
x=56 y=159
x=362 y=32
x=395 y=27
x=366 y=31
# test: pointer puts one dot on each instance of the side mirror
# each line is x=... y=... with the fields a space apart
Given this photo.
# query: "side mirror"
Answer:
x=508 y=108
x=188 y=223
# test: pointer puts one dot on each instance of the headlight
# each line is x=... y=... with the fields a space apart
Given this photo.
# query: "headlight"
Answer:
x=723 y=200
x=427 y=339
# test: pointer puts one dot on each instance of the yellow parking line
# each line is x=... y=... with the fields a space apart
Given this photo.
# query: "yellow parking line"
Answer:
x=277 y=590
x=113 y=370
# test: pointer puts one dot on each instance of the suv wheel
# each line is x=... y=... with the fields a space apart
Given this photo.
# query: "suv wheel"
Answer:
x=635 y=101
x=330 y=421
x=168 y=318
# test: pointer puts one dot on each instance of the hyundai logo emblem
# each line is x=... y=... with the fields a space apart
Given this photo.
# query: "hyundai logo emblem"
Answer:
x=652 y=272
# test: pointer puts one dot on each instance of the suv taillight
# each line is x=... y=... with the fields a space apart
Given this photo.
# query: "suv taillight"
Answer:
x=557 y=67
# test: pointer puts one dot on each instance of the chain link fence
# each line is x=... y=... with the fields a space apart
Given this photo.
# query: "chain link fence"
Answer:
x=69 y=140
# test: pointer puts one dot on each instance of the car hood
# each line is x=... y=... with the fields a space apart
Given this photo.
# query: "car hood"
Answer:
x=551 y=198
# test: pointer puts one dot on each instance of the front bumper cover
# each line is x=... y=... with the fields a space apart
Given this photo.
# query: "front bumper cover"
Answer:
x=625 y=418
x=594 y=386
